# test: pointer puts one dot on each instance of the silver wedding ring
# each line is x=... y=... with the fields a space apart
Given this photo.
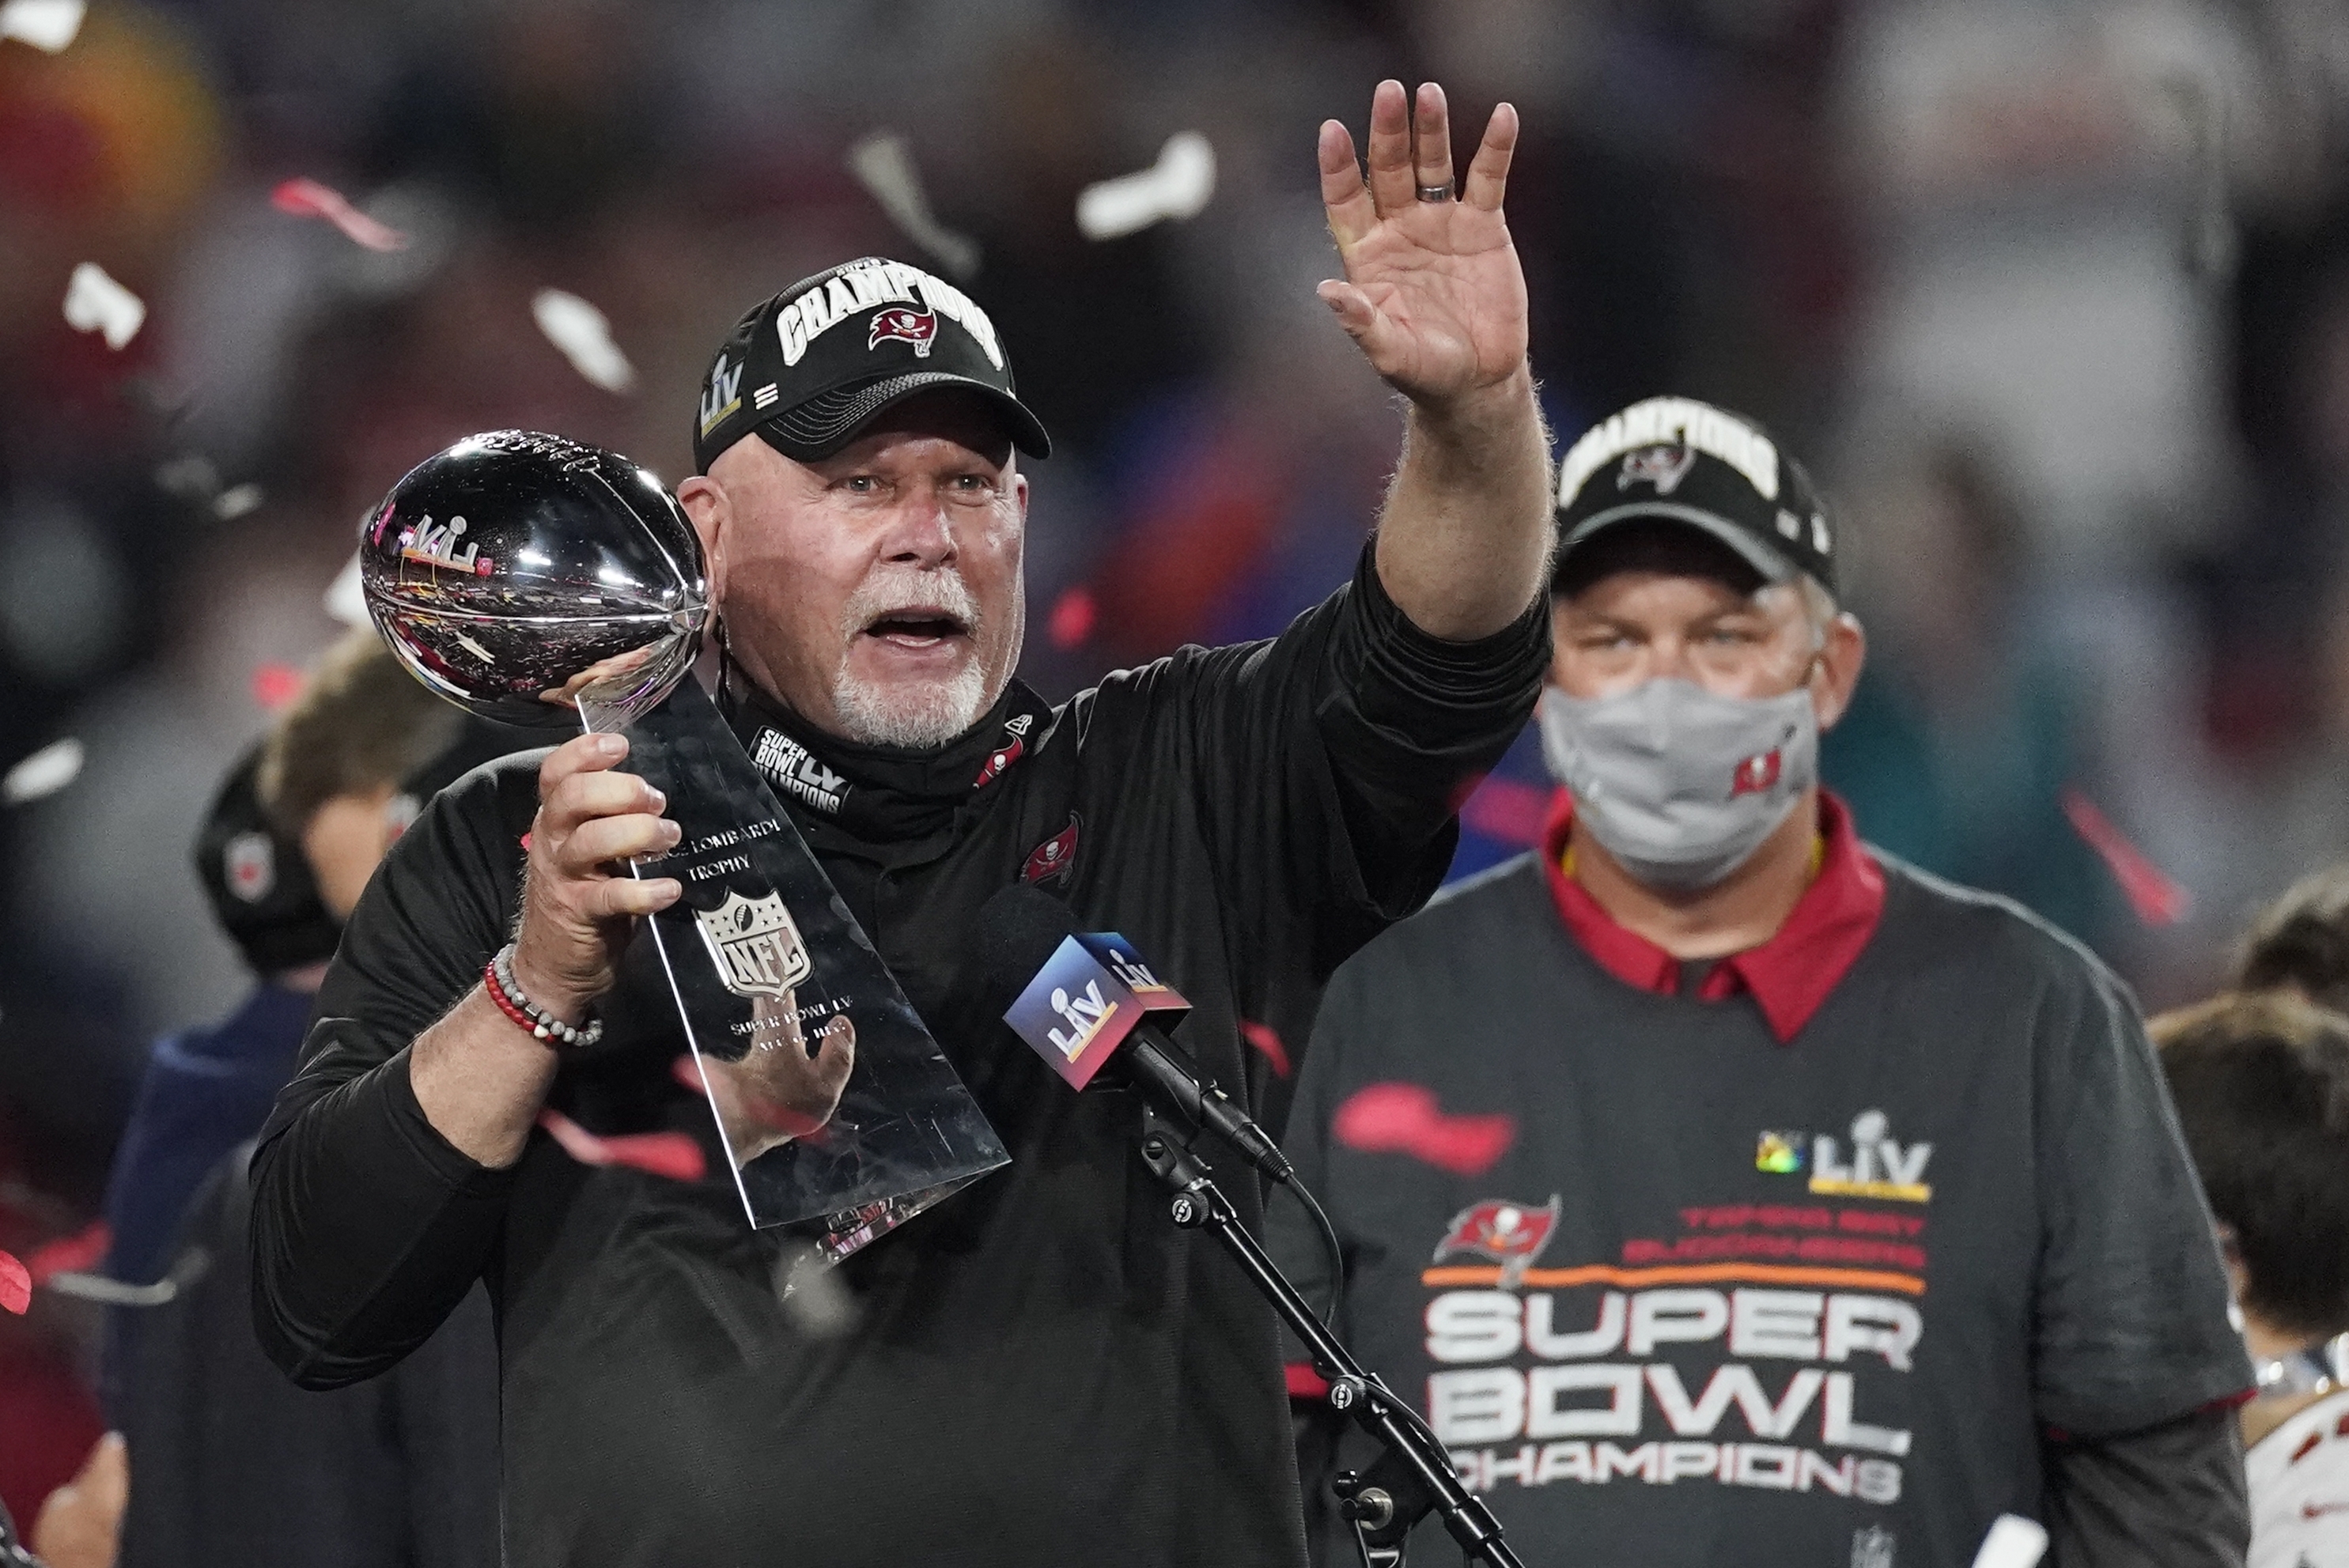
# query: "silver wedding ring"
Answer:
x=1436 y=193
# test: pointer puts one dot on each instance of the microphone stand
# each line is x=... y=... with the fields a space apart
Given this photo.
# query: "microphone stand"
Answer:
x=1414 y=1477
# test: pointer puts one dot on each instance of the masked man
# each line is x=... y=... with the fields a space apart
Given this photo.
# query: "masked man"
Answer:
x=1046 y=1370
x=1731 y=1192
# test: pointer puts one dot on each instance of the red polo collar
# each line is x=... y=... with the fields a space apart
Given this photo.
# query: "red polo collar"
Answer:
x=1789 y=975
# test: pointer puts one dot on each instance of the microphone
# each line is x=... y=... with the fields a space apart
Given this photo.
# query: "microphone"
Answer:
x=1078 y=998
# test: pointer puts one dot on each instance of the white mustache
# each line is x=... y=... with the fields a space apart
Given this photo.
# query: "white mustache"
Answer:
x=889 y=591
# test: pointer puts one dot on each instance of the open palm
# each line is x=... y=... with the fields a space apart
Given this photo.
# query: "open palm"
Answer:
x=1432 y=292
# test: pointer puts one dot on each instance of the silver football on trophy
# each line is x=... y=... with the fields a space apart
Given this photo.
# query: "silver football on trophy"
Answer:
x=520 y=575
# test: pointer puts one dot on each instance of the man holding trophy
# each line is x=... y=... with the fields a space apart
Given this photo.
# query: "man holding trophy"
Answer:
x=1043 y=1369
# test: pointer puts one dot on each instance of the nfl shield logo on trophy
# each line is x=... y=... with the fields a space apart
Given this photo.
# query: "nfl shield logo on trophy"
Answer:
x=755 y=944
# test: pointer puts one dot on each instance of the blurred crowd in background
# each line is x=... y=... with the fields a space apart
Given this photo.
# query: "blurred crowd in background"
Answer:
x=2051 y=294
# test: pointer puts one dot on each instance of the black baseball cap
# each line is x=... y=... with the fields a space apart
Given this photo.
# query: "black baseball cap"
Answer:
x=808 y=369
x=1677 y=460
x=259 y=879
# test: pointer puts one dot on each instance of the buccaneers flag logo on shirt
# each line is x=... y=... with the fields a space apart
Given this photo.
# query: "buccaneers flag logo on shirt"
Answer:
x=1512 y=1234
x=997 y=761
x=1054 y=856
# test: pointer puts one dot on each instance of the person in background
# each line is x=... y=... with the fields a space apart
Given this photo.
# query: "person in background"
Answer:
x=229 y=1464
x=2261 y=1085
x=2300 y=944
x=1972 y=719
x=206 y=1086
x=1731 y=1189
x=293 y=835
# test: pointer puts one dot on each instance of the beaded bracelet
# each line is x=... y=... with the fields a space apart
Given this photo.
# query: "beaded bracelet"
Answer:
x=497 y=979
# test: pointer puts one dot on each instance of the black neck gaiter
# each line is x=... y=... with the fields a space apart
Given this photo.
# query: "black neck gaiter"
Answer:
x=880 y=794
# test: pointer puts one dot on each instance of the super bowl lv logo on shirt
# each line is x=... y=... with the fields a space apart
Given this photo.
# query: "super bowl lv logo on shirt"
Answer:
x=1764 y=1344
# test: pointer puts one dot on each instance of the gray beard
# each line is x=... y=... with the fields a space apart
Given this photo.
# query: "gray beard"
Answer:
x=912 y=718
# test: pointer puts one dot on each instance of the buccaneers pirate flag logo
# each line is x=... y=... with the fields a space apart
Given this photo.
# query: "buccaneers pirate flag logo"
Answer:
x=1512 y=1234
x=1054 y=856
x=1662 y=466
x=918 y=327
x=1757 y=775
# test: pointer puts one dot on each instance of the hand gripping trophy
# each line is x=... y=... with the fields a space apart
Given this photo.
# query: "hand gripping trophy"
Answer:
x=535 y=580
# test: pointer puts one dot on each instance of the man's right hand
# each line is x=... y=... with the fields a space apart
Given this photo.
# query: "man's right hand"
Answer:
x=480 y=1081
x=577 y=910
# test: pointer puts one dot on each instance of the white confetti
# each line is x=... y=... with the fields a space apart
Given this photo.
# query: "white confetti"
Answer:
x=2013 y=1542
x=813 y=1298
x=190 y=478
x=475 y=649
x=48 y=25
x=1176 y=186
x=884 y=165
x=95 y=303
x=44 y=772
x=346 y=599
x=235 y=501
x=579 y=329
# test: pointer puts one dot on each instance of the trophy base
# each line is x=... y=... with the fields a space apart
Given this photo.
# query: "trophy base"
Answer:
x=851 y=1229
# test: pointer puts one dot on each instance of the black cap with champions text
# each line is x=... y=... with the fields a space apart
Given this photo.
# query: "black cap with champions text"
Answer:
x=1678 y=460
x=808 y=369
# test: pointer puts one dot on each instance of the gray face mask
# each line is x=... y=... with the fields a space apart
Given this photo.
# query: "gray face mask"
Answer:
x=1679 y=784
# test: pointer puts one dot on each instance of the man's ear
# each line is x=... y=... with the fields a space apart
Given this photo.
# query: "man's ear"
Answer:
x=705 y=502
x=1837 y=674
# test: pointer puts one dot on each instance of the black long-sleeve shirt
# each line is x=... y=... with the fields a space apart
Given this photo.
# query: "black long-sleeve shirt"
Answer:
x=1043 y=1369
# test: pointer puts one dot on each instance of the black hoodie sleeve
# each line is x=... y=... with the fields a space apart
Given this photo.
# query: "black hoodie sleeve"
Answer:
x=1326 y=765
x=369 y=1226
x=1328 y=761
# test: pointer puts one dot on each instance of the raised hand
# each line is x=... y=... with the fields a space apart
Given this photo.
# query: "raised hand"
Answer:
x=1432 y=291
